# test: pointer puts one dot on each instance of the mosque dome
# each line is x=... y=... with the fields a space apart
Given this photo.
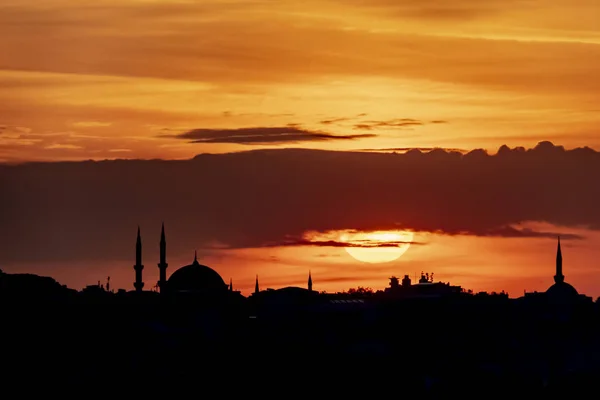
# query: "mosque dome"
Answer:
x=562 y=290
x=196 y=278
x=294 y=291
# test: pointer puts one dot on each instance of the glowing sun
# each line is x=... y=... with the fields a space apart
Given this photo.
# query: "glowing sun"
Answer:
x=377 y=247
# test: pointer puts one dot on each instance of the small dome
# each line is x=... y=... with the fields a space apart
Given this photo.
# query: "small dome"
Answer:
x=294 y=291
x=289 y=294
x=196 y=278
x=562 y=290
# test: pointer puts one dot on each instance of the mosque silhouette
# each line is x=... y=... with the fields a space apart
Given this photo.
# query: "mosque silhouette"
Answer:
x=193 y=279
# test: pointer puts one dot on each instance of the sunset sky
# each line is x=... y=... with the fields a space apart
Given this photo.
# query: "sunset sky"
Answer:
x=170 y=80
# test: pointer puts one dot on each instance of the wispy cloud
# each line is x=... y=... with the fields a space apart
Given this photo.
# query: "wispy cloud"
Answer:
x=399 y=123
x=513 y=231
x=334 y=120
x=16 y=136
x=420 y=149
x=63 y=146
x=366 y=244
x=91 y=124
x=22 y=144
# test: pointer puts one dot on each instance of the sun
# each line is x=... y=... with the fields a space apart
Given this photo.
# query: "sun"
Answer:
x=378 y=246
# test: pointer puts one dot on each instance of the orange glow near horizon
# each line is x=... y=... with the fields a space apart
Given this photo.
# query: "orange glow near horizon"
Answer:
x=514 y=265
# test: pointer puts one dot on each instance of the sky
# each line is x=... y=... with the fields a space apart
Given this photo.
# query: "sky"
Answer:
x=294 y=109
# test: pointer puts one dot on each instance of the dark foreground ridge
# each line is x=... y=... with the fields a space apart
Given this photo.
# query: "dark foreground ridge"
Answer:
x=295 y=338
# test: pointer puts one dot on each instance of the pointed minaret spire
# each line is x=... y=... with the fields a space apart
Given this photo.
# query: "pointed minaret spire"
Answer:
x=559 y=277
x=162 y=265
x=138 y=267
x=163 y=245
x=195 y=256
x=138 y=248
x=309 y=282
x=256 y=288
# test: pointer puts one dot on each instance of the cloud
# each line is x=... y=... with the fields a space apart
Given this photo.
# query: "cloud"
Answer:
x=334 y=120
x=393 y=123
x=287 y=242
x=439 y=10
x=511 y=231
x=91 y=124
x=415 y=149
x=19 y=144
x=254 y=198
x=323 y=255
x=16 y=136
x=65 y=146
x=274 y=42
x=261 y=135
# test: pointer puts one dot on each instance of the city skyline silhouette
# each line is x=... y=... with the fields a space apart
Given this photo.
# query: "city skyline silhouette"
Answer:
x=233 y=190
x=194 y=314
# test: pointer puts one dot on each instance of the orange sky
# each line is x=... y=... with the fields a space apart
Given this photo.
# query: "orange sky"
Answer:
x=100 y=79
x=121 y=78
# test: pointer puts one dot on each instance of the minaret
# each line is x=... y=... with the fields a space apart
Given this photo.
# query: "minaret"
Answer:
x=256 y=289
x=559 y=277
x=138 y=267
x=230 y=285
x=162 y=265
x=309 y=282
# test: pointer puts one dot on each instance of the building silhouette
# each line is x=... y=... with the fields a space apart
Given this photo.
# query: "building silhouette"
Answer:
x=561 y=292
x=162 y=265
x=138 y=267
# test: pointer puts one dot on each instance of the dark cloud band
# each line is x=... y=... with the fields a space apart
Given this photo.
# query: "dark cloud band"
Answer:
x=90 y=210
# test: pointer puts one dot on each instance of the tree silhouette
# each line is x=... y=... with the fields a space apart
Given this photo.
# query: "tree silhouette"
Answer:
x=360 y=290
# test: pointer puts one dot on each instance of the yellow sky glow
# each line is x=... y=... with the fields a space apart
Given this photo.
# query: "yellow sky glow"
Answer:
x=513 y=72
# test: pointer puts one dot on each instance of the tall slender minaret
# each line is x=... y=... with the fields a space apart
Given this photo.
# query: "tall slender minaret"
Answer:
x=309 y=282
x=162 y=265
x=138 y=267
x=256 y=288
x=559 y=277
